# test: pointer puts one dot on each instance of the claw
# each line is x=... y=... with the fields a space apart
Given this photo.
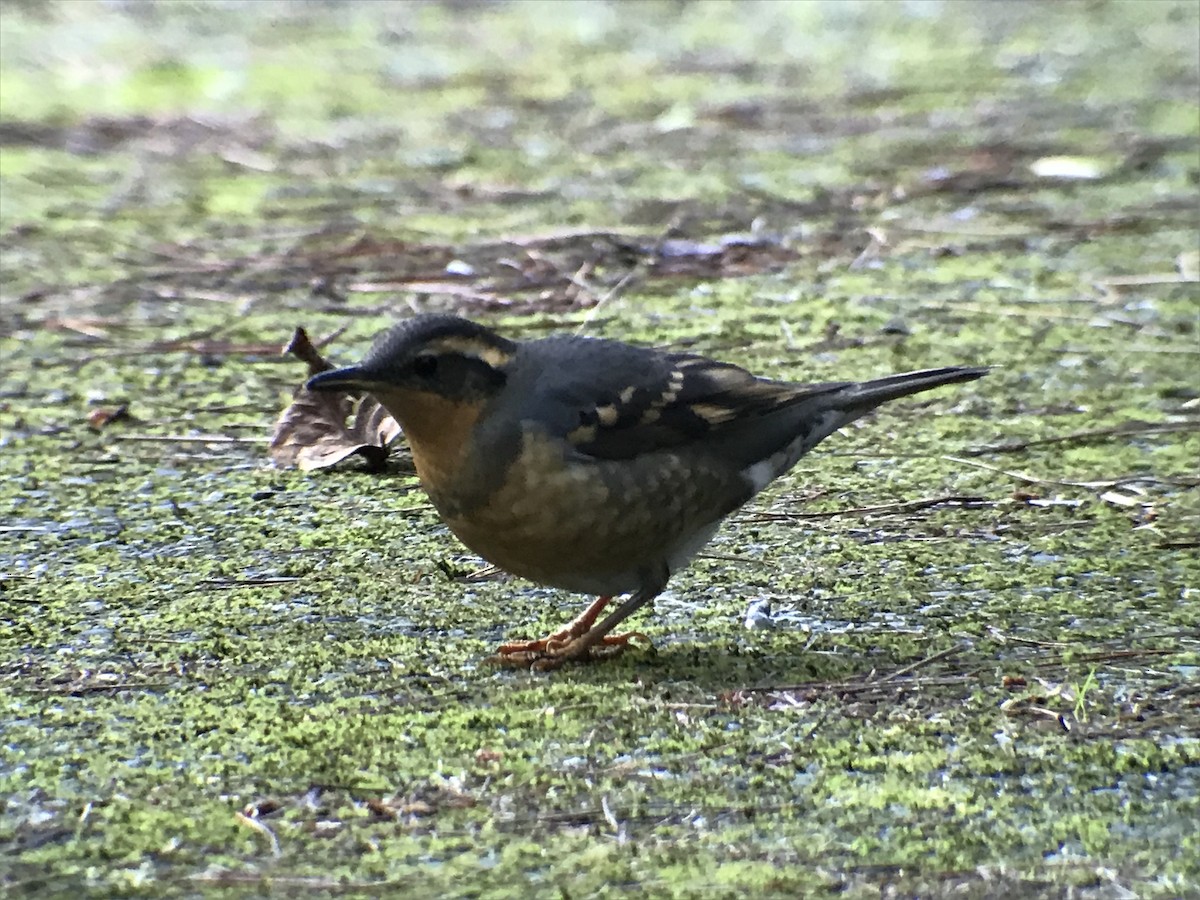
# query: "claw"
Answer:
x=548 y=653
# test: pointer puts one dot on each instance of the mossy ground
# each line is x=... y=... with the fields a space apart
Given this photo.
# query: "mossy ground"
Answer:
x=216 y=675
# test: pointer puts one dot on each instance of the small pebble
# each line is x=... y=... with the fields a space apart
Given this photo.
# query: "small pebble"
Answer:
x=758 y=615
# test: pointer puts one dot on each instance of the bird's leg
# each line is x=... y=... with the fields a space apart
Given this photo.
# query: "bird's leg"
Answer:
x=583 y=639
x=525 y=653
x=589 y=644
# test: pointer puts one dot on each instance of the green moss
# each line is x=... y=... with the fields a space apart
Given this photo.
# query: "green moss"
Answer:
x=187 y=634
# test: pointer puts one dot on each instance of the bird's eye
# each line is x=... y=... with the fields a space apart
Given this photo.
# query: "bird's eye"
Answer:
x=425 y=366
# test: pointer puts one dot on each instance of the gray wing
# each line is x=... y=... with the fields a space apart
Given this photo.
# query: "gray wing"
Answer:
x=615 y=401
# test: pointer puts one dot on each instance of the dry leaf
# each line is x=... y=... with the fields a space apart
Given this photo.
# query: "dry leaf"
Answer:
x=319 y=430
x=101 y=418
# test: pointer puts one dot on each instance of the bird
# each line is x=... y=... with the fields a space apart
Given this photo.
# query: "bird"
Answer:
x=593 y=465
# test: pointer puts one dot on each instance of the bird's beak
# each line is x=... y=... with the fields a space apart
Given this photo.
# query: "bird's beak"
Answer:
x=351 y=378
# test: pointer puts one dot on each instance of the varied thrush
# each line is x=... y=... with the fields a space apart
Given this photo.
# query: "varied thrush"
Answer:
x=590 y=464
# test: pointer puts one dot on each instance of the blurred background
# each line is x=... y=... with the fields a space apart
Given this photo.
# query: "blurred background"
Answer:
x=220 y=674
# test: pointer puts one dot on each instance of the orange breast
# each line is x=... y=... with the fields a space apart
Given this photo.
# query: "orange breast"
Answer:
x=438 y=432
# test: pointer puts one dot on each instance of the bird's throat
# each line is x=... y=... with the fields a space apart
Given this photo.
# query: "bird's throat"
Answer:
x=438 y=432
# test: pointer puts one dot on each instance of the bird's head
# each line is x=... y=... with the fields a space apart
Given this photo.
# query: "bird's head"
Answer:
x=435 y=375
x=425 y=360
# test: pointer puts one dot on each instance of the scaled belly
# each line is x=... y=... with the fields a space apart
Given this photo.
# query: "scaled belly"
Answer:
x=583 y=528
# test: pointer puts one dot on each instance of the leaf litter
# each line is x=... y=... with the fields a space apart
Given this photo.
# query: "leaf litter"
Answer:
x=320 y=430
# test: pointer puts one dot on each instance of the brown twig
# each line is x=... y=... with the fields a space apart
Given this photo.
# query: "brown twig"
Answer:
x=188 y=438
x=921 y=663
x=899 y=507
x=1087 y=485
x=1128 y=428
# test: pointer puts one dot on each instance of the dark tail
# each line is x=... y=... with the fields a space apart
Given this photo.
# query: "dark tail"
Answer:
x=780 y=439
x=859 y=399
x=843 y=404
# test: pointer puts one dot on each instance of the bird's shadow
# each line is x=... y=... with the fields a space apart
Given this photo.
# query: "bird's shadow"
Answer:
x=716 y=668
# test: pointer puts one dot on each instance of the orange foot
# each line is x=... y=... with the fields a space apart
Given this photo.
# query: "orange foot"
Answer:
x=551 y=652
